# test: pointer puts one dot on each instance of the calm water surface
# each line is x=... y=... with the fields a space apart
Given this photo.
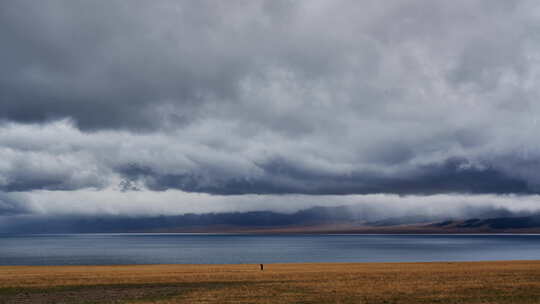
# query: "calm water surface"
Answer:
x=99 y=249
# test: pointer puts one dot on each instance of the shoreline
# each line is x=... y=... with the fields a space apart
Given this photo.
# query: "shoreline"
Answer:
x=279 y=233
x=86 y=266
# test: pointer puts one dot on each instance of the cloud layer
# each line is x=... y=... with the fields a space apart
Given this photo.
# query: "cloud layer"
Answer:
x=269 y=97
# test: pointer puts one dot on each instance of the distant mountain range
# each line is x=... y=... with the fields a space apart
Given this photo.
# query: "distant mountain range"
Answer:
x=313 y=220
x=501 y=223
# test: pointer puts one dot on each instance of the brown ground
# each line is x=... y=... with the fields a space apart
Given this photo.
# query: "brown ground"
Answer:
x=474 y=282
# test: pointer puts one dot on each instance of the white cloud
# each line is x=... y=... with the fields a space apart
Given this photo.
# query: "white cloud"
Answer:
x=174 y=202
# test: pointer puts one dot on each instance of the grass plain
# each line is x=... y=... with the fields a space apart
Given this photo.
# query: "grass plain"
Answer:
x=453 y=282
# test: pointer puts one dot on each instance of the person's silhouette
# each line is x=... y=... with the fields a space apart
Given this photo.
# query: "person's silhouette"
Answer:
x=262 y=267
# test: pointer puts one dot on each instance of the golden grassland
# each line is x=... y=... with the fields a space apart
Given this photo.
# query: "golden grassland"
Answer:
x=456 y=282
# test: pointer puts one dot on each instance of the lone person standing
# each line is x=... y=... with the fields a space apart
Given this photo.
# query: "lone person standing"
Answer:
x=262 y=267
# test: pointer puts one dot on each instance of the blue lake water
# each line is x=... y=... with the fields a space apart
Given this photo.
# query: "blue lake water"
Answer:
x=104 y=249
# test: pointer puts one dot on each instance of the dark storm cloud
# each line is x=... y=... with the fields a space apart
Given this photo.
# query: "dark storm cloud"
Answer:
x=86 y=61
x=118 y=65
x=113 y=64
x=281 y=177
x=270 y=97
x=12 y=205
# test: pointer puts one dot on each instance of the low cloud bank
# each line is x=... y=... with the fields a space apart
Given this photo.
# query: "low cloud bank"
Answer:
x=114 y=210
x=354 y=215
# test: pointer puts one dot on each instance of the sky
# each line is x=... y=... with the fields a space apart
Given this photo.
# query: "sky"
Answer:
x=166 y=107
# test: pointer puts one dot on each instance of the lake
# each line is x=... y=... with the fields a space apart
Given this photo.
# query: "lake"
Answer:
x=106 y=249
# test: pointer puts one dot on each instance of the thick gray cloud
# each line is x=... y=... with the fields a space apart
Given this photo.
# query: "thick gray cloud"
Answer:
x=110 y=64
x=270 y=97
x=33 y=158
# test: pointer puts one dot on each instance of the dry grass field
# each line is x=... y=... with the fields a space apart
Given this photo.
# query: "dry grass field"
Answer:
x=472 y=282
